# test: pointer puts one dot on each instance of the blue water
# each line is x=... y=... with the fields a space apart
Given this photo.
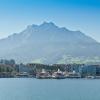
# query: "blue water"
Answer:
x=37 y=89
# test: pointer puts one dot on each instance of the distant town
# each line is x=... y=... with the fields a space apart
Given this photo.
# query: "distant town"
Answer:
x=10 y=69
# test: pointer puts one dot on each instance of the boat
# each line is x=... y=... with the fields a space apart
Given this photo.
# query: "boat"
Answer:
x=58 y=75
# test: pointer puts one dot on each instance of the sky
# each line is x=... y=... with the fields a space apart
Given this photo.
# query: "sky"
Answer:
x=83 y=15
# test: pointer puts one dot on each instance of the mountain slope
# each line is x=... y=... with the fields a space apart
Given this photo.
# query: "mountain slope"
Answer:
x=48 y=43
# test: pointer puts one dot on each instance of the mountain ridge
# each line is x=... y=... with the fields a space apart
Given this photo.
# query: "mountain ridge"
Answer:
x=47 y=40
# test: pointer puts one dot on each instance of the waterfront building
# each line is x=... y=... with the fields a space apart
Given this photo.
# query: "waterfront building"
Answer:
x=97 y=70
x=23 y=68
x=7 y=62
x=87 y=70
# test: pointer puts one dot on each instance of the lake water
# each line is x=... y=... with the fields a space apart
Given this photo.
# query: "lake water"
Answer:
x=46 y=89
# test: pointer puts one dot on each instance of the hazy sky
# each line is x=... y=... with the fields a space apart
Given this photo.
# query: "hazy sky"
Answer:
x=82 y=15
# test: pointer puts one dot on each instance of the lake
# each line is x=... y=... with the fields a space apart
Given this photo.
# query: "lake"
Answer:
x=49 y=89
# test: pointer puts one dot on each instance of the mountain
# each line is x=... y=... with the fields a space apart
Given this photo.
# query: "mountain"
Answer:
x=48 y=43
